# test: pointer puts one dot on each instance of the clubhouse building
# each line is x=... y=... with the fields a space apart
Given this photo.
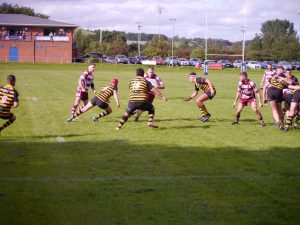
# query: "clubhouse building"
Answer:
x=32 y=39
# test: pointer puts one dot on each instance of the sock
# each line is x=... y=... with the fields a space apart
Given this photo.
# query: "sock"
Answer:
x=283 y=111
x=73 y=109
x=122 y=121
x=289 y=121
x=6 y=124
x=150 y=118
x=238 y=117
x=103 y=114
x=203 y=110
x=77 y=113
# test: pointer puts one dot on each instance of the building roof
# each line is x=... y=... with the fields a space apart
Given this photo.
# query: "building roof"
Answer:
x=24 y=20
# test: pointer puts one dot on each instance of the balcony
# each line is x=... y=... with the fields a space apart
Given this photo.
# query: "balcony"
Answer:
x=54 y=38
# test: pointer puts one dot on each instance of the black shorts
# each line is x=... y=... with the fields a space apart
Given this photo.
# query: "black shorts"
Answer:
x=208 y=93
x=96 y=101
x=145 y=106
x=274 y=93
x=6 y=117
x=288 y=99
x=296 y=97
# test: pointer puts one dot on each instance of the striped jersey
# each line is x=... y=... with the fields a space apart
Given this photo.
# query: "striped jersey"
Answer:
x=87 y=80
x=106 y=92
x=278 y=82
x=8 y=95
x=138 y=89
x=268 y=75
x=201 y=84
x=291 y=81
x=247 y=89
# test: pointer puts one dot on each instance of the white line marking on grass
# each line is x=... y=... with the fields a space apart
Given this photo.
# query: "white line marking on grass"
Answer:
x=60 y=139
x=34 y=99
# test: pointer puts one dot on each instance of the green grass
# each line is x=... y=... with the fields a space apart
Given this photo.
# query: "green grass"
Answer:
x=186 y=172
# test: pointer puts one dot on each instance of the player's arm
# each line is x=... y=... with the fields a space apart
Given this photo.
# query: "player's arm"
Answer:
x=212 y=91
x=294 y=87
x=117 y=98
x=258 y=99
x=80 y=84
x=93 y=87
x=192 y=96
x=157 y=92
x=16 y=100
x=161 y=84
x=237 y=97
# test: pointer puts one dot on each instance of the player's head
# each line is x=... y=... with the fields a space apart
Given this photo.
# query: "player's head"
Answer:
x=92 y=67
x=280 y=69
x=150 y=71
x=243 y=76
x=192 y=77
x=115 y=81
x=140 y=72
x=11 y=79
x=269 y=66
x=288 y=72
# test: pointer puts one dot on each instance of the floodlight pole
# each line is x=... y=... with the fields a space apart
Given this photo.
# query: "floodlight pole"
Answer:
x=160 y=8
x=139 y=37
x=243 y=29
x=100 y=38
x=173 y=20
x=205 y=57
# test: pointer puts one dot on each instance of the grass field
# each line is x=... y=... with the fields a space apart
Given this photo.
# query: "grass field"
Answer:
x=186 y=172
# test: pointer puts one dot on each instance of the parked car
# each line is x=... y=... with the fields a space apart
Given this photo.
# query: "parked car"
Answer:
x=132 y=60
x=237 y=63
x=226 y=63
x=285 y=64
x=194 y=61
x=121 y=59
x=172 y=60
x=111 y=60
x=184 y=62
x=158 y=60
x=265 y=64
x=295 y=65
x=253 y=65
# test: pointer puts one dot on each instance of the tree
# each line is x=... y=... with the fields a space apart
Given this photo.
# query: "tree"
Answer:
x=157 y=46
x=198 y=53
x=16 y=9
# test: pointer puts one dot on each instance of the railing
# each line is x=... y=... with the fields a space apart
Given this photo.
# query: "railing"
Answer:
x=15 y=38
x=36 y=59
x=54 y=38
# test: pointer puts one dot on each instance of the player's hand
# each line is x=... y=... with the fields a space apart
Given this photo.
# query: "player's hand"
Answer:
x=212 y=93
x=165 y=98
x=233 y=104
x=95 y=91
x=187 y=99
x=260 y=105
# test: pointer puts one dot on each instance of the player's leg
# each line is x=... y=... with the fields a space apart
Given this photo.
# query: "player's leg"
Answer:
x=138 y=115
x=200 y=103
x=106 y=112
x=257 y=112
x=265 y=87
x=9 y=121
x=291 y=115
x=75 y=104
x=132 y=106
x=151 y=112
x=277 y=113
x=238 y=113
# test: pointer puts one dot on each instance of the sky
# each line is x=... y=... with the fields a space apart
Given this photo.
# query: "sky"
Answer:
x=224 y=18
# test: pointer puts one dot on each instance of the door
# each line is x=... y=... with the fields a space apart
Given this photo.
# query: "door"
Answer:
x=13 y=54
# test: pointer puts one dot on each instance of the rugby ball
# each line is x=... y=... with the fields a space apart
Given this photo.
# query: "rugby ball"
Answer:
x=154 y=82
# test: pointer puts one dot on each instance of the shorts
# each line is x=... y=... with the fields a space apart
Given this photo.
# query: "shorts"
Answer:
x=96 y=101
x=83 y=95
x=274 y=93
x=296 y=97
x=288 y=99
x=6 y=116
x=245 y=102
x=209 y=95
x=151 y=97
x=145 y=106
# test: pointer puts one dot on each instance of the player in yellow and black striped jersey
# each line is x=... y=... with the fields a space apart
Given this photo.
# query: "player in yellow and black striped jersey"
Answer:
x=9 y=97
x=209 y=93
x=101 y=99
x=275 y=95
x=138 y=99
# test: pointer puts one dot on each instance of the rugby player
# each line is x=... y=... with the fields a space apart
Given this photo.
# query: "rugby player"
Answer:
x=156 y=81
x=209 y=93
x=101 y=99
x=86 y=80
x=288 y=93
x=268 y=74
x=9 y=97
x=246 y=93
x=294 y=109
x=275 y=95
x=138 y=99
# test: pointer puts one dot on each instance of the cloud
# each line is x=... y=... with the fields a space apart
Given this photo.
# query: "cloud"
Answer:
x=224 y=17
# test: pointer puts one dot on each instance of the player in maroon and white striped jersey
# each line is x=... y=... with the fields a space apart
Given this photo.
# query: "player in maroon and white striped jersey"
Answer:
x=86 y=81
x=156 y=81
x=246 y=93
x=268 y=74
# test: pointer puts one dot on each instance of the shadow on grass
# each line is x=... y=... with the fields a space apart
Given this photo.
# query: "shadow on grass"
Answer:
x=119 y=182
